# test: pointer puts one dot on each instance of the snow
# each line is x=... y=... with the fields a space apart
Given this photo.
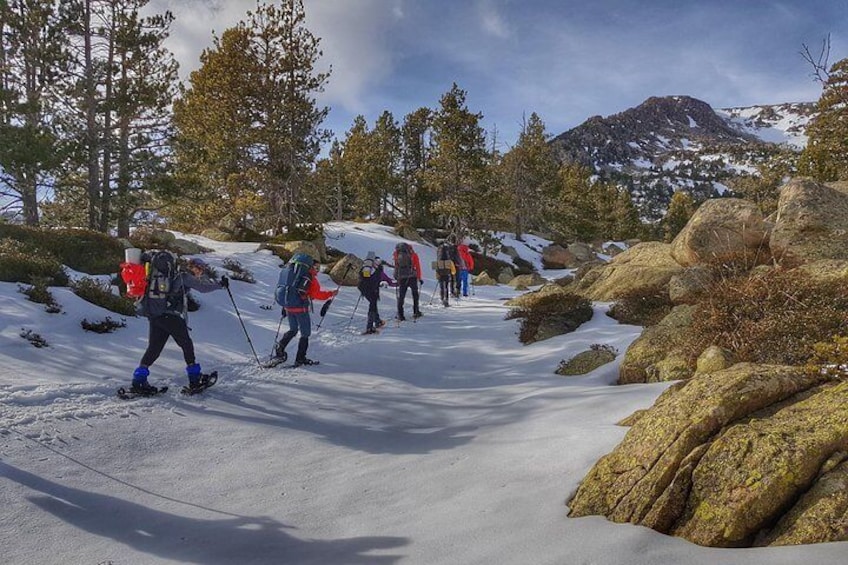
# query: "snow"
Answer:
x=438 y=442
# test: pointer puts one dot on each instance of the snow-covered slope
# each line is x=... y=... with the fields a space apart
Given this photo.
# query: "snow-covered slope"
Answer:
x=438 y=442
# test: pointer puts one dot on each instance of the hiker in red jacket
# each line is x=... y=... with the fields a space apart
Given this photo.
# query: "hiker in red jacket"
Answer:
x=466 y=265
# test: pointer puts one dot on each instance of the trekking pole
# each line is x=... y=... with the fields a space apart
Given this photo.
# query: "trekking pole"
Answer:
x=238 y=314
x=354 y=311
x=326 y=305
x=277 y=335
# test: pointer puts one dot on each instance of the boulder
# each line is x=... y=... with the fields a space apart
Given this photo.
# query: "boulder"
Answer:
x=811 y=222
x=505 y=275
x=216 y=235
x=510 y=251
x=346 y=270
x=186 y=247
x=721 y=227
x=409 y=232
x=646 y=265
x=714 y=358
x=826 y=269
x=654 y=345
x=690 y=284
x=586 y=361
x=527 y=280
x=529 y=299
x=582 y=251
x=483 y=279
x=558 y=257
x=307 y=247
x=683 y=468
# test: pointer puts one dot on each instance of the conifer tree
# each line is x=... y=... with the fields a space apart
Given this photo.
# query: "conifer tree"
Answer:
x=680 y=210
x=33 y=53
x=529 y=176
x=826 y=156
x=416 y=148
x=457 y=173
x=249 y=124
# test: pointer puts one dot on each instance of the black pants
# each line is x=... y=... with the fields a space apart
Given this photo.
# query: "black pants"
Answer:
x=445 y=287
x=373 y=314
x=161 y=328
x=411 y=284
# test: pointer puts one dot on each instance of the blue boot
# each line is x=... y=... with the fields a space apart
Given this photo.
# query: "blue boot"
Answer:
x=139 y=381
x=193 y=373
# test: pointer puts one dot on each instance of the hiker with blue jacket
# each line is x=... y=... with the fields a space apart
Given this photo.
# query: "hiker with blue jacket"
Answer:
x=164 y=305
x=297 y=287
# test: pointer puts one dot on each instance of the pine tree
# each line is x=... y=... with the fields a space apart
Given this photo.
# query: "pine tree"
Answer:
x=457 y=173
x=249 y=125
x=826 y=156
x=529 y=176
x=32 y=57
x=680 y=209
x=415 y=157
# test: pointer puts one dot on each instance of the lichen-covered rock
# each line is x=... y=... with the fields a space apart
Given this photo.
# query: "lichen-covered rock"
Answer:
x=674 y=366
x=653 y=345
x=751 y=473
x=646 y=265
x=721 y=227
x=527 y=280
x=811 y=222
x=714 y=358
x=688 y=286
x=558 y=257
x=483 y=279
x=822 y=513
x=346 y=270
x=586 y=361
x=722 y=457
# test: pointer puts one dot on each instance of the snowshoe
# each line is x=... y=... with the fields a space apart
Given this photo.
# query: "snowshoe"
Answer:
x=140 y=391
x=301 y=362
x=205 y=382
x=276 y=360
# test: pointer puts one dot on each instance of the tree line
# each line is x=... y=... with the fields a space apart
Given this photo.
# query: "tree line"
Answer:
x=96 y=130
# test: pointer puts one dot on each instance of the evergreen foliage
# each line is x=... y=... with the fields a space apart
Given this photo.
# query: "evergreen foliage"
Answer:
x=826 y=156
x=680 y=209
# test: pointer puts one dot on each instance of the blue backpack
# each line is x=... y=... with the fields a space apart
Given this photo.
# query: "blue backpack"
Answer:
x=293 y=282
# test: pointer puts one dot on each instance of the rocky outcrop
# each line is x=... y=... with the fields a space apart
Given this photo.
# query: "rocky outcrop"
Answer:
x=346 y=270
x=723 y=457
x=646 y=265
x=483 y=279
x=811 y=222
x=524 y=281
x=642 y=360
x=721 y=227
x=689 y=286
x=558 y=257
x=586 y=361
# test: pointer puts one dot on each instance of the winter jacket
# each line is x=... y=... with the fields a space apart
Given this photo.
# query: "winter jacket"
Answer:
x=300 y=303
x=465 y=255
x=416 y=263
x=173 y=303
x=370 y=288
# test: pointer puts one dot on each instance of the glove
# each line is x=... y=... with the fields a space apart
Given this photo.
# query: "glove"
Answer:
x=284 y=313
x=420 y=282
x=225 y=282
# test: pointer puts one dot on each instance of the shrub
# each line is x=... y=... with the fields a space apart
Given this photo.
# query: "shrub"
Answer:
x=239 y=272
x=549 y=315
x=774 y=317
x=91 y=290
x=40 y=294
x=86 y=251
x=642 y=306
x=35 y=339
x=103 y=326
x=23 y=262
x=301 y=232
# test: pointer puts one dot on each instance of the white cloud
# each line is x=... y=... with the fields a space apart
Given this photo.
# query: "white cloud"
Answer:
x=492 y=21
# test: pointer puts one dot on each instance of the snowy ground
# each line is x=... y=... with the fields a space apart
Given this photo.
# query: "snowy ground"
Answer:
x=438 y=442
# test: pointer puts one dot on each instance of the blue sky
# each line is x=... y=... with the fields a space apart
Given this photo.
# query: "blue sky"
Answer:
x=565 y=60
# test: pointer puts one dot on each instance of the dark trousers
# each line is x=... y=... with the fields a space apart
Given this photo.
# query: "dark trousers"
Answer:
x=445 y=287
x=403 y=285
x=373 y=314
x=161 y=328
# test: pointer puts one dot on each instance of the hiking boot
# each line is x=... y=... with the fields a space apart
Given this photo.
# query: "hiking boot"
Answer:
x=306 y=361
x=381 y=323
x=369 y=331
x=143 y=388
x=417 y=315
x=402 y=318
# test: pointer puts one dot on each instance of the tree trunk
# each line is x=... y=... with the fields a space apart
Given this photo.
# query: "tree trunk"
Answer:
x=91 y=124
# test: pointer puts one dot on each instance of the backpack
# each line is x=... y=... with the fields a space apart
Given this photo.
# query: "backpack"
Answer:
x=369 y=277
x=293 y=281
x=404 y=268
x=164 y=282
x=443 y=261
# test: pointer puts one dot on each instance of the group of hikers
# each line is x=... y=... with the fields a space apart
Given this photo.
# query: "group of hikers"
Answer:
x=163 y=299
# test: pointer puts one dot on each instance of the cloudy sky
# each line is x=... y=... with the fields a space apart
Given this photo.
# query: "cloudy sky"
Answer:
x=566 y=60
